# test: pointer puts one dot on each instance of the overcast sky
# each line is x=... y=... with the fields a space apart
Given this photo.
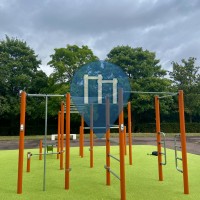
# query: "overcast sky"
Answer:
x=171 y=28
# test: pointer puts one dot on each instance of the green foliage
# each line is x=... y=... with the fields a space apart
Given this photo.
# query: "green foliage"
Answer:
x=186 y=77
x=66 y=61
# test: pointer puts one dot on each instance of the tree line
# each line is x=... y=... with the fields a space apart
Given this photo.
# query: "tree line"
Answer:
x=20 y=70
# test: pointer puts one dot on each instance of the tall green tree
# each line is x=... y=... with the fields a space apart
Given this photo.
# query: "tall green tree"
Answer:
x=145 y=74
x=65 y=61
x=186 y=77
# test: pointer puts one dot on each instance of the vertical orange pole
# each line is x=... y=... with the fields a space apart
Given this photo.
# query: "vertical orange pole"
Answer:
x=81 y=140
x=129 y=133
x=40 y=150
x=157 y=112
x=28 y=162
x=67 y=148
x=91 y=137
x=62 y=135
x=21 y=142
x=125 y=150
x=121 y=143
x=58 y=144
x=107 y=140
x=183 y=141
x=80 y=135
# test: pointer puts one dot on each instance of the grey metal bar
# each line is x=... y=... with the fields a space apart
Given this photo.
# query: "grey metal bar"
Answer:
x=170 y=95
x=45 y=95
x=141 y=92
x=37 y=154
x=114 y=157
x=164 y=146
x=113 y=173
x=176 y=156
x=112 y=127
x=45 y=144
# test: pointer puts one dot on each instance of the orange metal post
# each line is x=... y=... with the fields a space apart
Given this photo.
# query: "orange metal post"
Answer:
x=58 y=143
x=129 y=133
x=40 y=150
x=183 y=141
x=107 y=141
x=81 y=139
x=91 y=137
x=62 y=135
x=28 y=162
x=21 y=142
x=157 y=112
x=121 y=143
x=67 y=148
x=125 y=150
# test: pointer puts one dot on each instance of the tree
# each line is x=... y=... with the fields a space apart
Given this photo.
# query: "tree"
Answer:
x=66 y=61
x=145 y=74
x=186 y=77
x=18 y=71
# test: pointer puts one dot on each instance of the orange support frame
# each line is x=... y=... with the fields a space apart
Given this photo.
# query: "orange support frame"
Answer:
x=157 y=112
x=91 y=137
x=125 y=149
x=21 y=142
x=40 y=150
x=129 y=133
x=67 y=148
x=62 y=135
x=28 y=166
x=81 y=137
x=183 y=141
x=58 y=144
x=107 y=141
x=121 y=145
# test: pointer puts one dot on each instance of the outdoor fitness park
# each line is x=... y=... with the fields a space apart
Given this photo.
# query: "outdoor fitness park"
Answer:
x=123 y=171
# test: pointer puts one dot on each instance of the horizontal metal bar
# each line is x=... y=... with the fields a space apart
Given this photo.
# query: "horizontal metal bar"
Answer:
x=45 y=95
x=112 y=127
x=179 y=158
x=113 y=173
x=170 y=95
x=141 y=92
x=114 y=157
x=37 y=154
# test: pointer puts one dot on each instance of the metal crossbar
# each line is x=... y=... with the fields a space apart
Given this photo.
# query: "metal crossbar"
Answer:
x=114 y=157
x=37 y=154
x=112 y=127
x=45 y=95
x=170 y=95
x=176 y=156
x=113 y=173
x=141 y=92
x=164 y=146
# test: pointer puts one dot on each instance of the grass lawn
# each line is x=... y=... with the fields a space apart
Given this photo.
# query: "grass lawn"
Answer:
x=85 y=183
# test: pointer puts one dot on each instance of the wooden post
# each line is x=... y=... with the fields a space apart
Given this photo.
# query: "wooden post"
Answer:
x=81 y=140
x=40 y=150
x=28 y=162
x=58 y=143
x=21 y=142
x=125 y=150
x=91 y=137
x=62 y=135
x=157 y=112
x=129 y=133
x=67 y=148
x=107 y=141
x=121 y=143
x=183 y=141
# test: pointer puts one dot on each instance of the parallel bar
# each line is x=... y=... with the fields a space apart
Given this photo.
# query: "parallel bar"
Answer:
x=45 y=95
x=67 y=154
x=183 y=141
x=113 y=173
x=110 y=155
x=157 y=112
x=130 y=133
x=21 y=142
x=141 y=92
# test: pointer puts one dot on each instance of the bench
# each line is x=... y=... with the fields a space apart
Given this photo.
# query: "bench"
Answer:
x=53 y=136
